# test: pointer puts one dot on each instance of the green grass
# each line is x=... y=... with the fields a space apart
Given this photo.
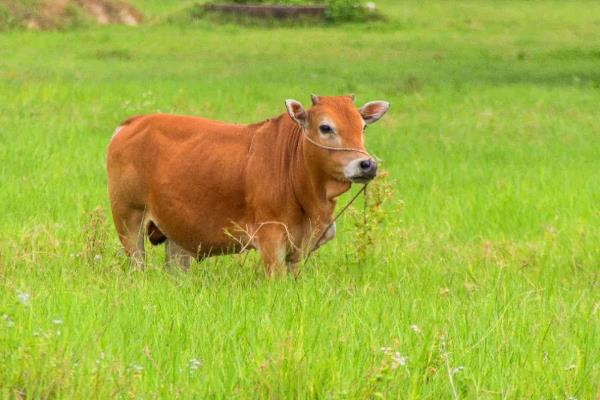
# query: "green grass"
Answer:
x=489 y=243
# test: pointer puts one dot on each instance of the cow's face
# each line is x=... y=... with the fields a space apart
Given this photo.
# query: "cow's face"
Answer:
x=334 y=123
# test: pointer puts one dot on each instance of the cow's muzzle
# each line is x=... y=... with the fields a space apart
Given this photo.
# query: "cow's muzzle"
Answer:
x=361 y=170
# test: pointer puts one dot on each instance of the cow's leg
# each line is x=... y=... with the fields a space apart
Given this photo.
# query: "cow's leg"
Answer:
x=272 y=247
x=129 y=224
x=293 y=262
x=177 y=256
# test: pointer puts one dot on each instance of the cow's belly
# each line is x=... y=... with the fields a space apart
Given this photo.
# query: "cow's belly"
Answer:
x=197 y=197
x=205 y=228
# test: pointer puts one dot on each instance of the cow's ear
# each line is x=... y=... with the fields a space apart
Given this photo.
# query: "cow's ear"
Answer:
x=373 y=110
x=297 y=112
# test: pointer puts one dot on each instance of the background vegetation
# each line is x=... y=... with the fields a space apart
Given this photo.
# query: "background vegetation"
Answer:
x=476 y=276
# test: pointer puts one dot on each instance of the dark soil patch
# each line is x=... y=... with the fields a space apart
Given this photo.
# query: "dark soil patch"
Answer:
x=269 y=11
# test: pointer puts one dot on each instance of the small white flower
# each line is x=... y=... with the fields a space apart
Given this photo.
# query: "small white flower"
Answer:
x=415 y=328
x=386 y=350
x=57 y=321
x=371 y=6
x=457 y=370
x=100 y=358
x=399 y=359
x=136 y=368
x=9 y=322
x=195 y=364
x=23 y=298
x=97 y=257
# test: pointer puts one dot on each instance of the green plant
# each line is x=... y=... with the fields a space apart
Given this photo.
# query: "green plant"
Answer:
x=369 y=217
x=345 y=10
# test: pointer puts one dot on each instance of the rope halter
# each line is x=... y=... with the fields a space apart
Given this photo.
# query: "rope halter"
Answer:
x=315 y=143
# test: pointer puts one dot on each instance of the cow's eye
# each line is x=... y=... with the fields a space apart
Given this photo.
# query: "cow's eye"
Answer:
x=326 y=129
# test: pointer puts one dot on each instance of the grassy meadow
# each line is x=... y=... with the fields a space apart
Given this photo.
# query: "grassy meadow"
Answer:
x=477 y=274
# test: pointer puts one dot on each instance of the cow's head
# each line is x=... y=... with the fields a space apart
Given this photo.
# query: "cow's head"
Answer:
x=334 y=122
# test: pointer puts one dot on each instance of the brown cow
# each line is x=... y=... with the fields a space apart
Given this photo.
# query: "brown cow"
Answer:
x=208 y=188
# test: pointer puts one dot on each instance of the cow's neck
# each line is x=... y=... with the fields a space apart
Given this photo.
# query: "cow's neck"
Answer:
x=315 y=191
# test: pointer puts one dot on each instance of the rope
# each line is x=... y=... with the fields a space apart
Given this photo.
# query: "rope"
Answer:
x=339 y=148
x=339 y=214
x=331 y=147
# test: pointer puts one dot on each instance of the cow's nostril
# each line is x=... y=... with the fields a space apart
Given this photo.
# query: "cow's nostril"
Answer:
x=366 y=165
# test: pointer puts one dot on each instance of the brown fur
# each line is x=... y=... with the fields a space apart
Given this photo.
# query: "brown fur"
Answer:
x=215 y=188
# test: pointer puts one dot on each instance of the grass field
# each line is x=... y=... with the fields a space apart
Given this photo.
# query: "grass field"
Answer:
x=478 y=277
